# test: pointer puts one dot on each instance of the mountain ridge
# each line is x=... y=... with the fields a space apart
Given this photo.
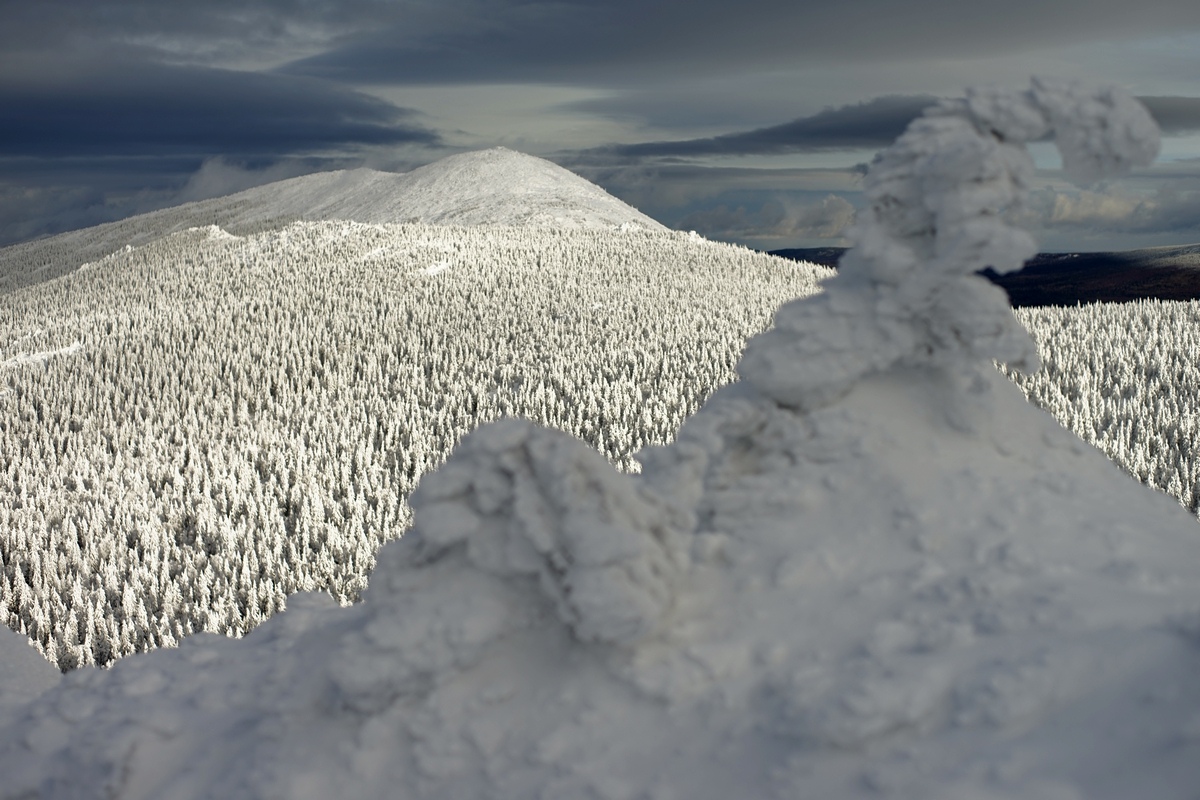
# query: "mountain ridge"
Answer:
x=497 y=186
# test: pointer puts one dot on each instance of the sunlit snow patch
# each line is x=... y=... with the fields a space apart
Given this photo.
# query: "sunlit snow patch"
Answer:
x=87 y=265
x=434 y=269
x=42 y=357
x=214 y=232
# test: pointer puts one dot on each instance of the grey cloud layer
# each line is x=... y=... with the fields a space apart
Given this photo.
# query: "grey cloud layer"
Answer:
x=87 y=141
x=619 y=40
x=213 y=29
x=266 y=83
x=873 y=124
x=864 y=125
x=775 y=222
x=1175 y=115
x=424 y=41
x=145 y=109
x=1164 y=211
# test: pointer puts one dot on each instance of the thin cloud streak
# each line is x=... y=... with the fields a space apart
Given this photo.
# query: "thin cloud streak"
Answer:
x=875 y=123
x=776 y=222
x=1174 y=115
x=871 y=124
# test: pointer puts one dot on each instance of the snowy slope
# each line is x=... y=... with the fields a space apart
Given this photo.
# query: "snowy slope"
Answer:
x=488 y=187
x=24 y=674
x=888 y=575
x=942 y=594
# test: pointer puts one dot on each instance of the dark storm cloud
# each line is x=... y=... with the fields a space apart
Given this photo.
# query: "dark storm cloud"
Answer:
x=872 y=124
x=594 y=42
x=1175 y=115
x=44 y=196
x=252 y=88
x=85 y=141
x=212 y=29
x=618 y=41
x=154 y=109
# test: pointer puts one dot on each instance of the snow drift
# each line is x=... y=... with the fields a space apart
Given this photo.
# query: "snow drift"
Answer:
x=869 y=569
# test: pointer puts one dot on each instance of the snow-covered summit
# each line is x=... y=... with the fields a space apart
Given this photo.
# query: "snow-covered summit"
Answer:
x=487 y=187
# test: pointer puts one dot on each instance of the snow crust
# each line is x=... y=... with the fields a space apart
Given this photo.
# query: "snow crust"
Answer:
x=24 y=674
x=890 y=576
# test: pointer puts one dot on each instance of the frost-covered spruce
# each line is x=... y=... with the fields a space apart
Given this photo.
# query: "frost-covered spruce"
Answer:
x=1124 y=377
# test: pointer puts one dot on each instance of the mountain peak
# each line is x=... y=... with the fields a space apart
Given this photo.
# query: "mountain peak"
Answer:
x=497 y=186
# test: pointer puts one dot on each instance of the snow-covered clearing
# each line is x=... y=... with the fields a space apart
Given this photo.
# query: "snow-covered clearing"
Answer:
x=434 y=269
x=22 y=359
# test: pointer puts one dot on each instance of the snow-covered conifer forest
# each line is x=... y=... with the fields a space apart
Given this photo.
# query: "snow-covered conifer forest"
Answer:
x=1125 y=377
x=867 y=568
x=198 y=427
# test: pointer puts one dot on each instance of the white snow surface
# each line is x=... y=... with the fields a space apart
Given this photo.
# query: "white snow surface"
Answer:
x=928 y=589
x=913 y=585
x=41 y=357
x=24 y=674
x=485 y=187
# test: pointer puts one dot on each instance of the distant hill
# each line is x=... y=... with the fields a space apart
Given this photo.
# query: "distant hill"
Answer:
x=825 y=256
x=486 y=187
x=1065 y=279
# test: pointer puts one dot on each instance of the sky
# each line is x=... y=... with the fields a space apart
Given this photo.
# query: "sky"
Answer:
x=749 y=122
